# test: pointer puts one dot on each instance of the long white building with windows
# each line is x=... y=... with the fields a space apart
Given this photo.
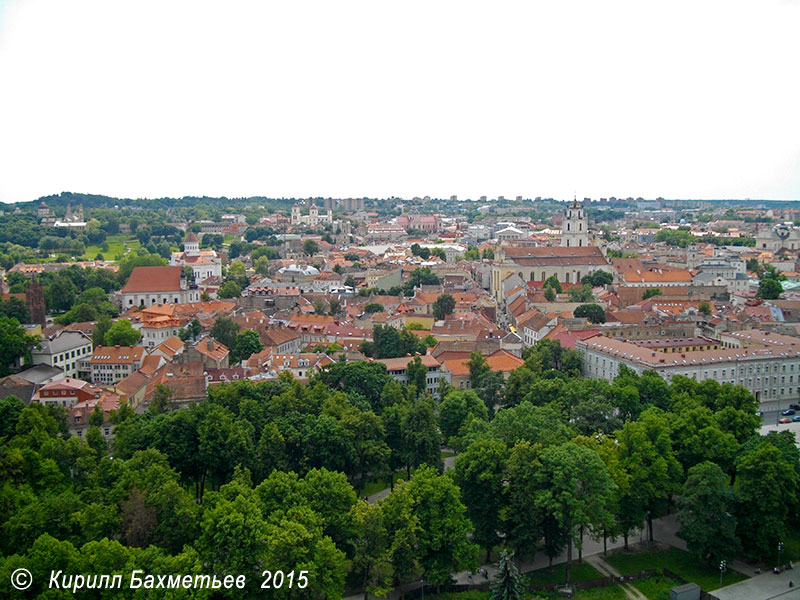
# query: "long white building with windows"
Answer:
x=767 y=364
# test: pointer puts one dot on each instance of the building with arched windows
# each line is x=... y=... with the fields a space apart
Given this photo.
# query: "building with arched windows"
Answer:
x=567 y=264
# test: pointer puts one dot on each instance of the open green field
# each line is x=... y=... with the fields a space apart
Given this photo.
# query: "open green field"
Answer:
x=679 y=562
x=116 y=246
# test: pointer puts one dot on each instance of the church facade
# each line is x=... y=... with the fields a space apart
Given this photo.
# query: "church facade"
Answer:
x=313 y=218
x=780 y=237
x=573 y=259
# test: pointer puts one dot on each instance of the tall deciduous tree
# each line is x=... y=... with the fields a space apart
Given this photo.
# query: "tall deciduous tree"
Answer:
x=224 y=331
x=247 y=343
x=647 y=455
x=421 y=440
x=576 y=489
x=371 y=549
x=456 y=407
x=523 y=519
x=766 y=488
x=443 y=546
x=479 y=473
x=707 y=506
x=122 y=333
x=444 y=305
x=15 y=344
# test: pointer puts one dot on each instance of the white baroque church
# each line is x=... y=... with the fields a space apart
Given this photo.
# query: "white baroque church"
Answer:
x=313 y=218
x=204 y=263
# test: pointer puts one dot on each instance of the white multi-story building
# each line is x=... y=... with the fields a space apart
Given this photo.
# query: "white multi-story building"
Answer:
x=767 y=364
x=110 y=364
x=65 y=349
x=397 y=369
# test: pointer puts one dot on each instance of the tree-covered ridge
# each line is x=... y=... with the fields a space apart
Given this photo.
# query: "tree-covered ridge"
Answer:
x=269 y=475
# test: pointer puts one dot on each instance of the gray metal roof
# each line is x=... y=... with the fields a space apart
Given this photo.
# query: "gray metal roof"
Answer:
x=64 y=340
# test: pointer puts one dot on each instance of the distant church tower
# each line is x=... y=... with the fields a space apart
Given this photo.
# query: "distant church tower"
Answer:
x=313 y=215
x=574 y=226
x=296 y=214
x=191 y=245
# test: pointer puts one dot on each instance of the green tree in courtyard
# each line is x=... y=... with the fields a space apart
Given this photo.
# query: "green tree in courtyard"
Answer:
x=444 y=305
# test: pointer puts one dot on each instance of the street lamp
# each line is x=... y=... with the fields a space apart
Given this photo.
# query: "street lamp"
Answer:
x=722 y=567
x=780 y=552
x=422 y=581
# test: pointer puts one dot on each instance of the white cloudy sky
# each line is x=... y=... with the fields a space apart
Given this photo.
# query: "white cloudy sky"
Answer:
x=696 y=98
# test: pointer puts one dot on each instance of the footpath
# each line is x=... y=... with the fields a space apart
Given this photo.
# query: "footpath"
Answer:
x=606 y=569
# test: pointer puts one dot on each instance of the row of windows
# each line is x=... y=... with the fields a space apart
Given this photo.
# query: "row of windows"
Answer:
x=754 y=386
x=67 y=355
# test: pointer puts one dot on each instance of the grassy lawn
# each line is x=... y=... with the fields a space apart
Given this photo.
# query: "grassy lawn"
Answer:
x=116 y=245
x=679 y=562
x=653 y=587
x=580 y=572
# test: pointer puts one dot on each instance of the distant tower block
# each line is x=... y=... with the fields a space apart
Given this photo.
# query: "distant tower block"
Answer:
x=574 y=228
x=34 y=300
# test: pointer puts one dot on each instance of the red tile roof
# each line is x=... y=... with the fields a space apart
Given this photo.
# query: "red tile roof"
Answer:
x=153 y=279
x=117 y=355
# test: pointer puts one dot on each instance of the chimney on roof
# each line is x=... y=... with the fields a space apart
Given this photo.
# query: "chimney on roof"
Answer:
x=116 y=345
x=210 y=344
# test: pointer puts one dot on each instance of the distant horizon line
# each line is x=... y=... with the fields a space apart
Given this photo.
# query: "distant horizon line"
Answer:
x=446 y=198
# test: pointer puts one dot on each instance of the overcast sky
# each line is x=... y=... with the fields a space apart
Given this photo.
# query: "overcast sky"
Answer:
x=681 y=99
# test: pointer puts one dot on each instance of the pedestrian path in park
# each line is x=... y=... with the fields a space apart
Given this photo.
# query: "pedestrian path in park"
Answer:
x=606 y=569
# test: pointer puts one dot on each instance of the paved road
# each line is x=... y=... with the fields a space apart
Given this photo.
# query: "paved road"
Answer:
x=763 y=587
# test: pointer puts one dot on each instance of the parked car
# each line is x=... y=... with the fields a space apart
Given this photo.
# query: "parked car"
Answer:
x=794 y=406
x=759 y=413
x=788 y=412
x=784 y=420
x=796 y=419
